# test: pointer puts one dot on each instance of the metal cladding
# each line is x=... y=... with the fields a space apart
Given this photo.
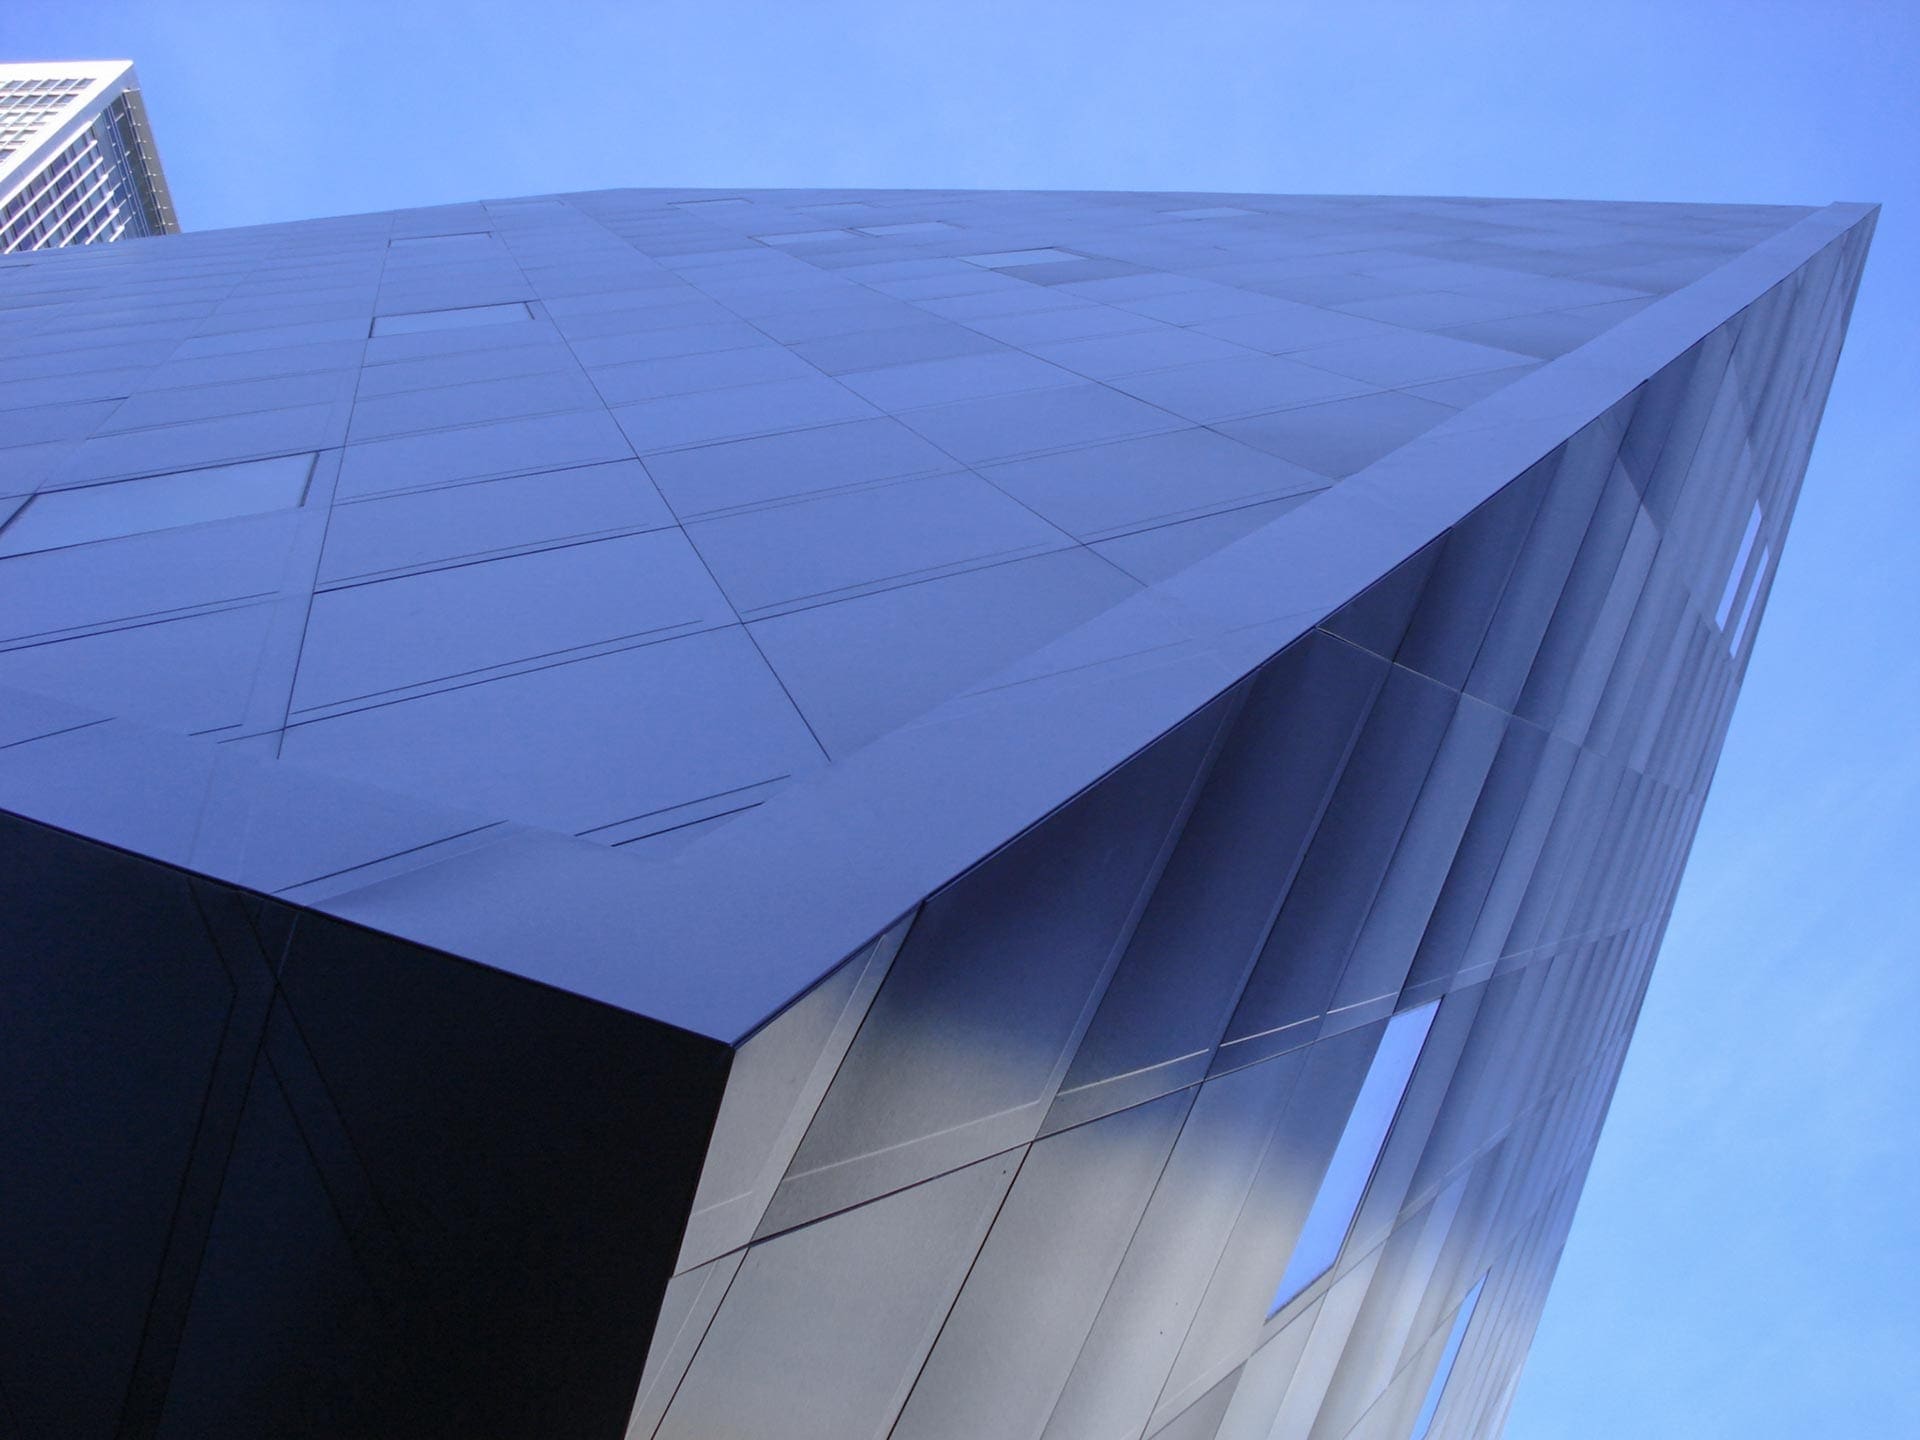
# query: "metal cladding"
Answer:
x=820 y=814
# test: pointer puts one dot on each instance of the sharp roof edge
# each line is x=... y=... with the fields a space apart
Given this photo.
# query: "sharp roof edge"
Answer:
x=779 y=899
x=724 y=935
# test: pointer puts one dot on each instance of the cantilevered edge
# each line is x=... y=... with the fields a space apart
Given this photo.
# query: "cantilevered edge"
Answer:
x=724 y=935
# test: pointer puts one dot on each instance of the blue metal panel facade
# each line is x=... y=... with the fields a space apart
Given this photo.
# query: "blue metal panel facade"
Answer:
x=1157 y=638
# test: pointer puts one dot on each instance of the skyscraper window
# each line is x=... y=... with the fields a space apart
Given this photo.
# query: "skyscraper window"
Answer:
x=77 y=159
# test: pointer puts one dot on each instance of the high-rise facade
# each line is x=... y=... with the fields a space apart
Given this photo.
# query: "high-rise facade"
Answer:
x=826 y=814
x=77 y=158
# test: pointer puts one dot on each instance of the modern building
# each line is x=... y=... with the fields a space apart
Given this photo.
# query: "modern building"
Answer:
x=77 y=158
x=676 y=815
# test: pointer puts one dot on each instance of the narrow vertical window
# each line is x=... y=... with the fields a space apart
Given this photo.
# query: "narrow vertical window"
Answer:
x=1345 y=1183
x=1462 y=1318
x=1753 y=593
x=1739 y=569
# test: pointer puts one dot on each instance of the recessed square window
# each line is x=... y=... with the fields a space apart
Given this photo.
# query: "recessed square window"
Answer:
x=804 y=237
x=462 y=240
x=918 y=227
x=1007 y=259
x=1351 y=1170
x=54 y=519
x=458 y=319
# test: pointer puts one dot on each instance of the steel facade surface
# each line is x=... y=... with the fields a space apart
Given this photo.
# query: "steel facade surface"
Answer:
x=811 y=818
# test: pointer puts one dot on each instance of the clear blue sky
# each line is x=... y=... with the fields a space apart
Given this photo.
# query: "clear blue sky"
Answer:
x=1744 y=1261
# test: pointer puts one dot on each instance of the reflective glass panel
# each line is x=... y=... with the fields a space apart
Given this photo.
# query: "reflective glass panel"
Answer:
x=1345 y=1182
x=57 y=518
x=1746 y=610
x=462 y=240
x=1009 y=258
x=1739 y=569
x=1462 y=1318
x=451 y=319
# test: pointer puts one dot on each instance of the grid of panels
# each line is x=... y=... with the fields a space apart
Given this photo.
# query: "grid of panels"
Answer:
x=1113 y=1063
x=704 y=512
x=100 y=187
x=28 y=106
x=873 y=472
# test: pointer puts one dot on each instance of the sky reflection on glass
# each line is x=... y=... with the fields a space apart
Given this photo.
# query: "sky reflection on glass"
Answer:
x=1354 y=1157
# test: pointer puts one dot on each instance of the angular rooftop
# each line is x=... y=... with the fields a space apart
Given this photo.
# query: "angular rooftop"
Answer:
x=659 y=593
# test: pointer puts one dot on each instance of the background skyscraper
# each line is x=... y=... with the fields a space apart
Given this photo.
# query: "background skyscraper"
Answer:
x=77 y=159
